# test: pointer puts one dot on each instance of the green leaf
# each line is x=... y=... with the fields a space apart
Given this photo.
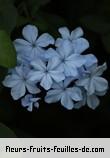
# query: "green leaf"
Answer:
x=95 y=23
x=5 y=132
x=106 y=42
x=7 y=51
x=8 y=17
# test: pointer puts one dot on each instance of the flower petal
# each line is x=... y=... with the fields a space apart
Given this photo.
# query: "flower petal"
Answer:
x=18 y=91
x=19 y=71
x=100 y=69
x=35 y=52
x=53 y=63
x=90 y=60
x=66 y=101
x=30 y=33
x=35 y=75
x=22 y=46
x=36 y=105
x=82 y=82
x=46 y=82
x=75 y=94
x=44 y=40
x=81 y=73
x=82 y=102
x=34 y=99
x=57 y=76
x=32 y=88
x=80 y=45
x=10 y=81
x=38 y=65
x=88 y=84
x=78 y=32
x=26 y=100
x=58 y=42
x=76 y=60
x=48 y=54
x=101 y=84
x=78 y=105
x=65 y=49
x=90 y=87
x=30 y=108
x=69 y=70
x=53 y=96
x=59 y=85
x=67 y=81
x=93 y=101
x=101 y=93
x=65 y=33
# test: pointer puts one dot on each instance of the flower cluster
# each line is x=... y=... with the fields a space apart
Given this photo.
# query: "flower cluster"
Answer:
x=59 y=67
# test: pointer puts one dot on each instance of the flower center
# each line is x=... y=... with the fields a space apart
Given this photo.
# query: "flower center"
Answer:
x=24 y=78
x=63 y=60
x=33 y=45
x=46 y=71
x=64 y=88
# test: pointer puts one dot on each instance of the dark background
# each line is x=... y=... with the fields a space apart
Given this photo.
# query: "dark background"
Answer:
x=53 y=120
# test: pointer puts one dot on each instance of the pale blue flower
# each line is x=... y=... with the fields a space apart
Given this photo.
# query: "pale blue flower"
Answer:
x=69 y=61
x=92 y=82
x=18 y=82
x=45 y=73
x=29 y=102
x=79 y=44
x=92 y=86
x=31 y=46
x=61 y=92
x=92 y=101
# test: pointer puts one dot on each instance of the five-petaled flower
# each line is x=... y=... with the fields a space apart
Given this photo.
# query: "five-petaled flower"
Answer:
x=46 y=74
x=79 y=44
x=32 y=46
x=67 y=95
x=92 y=82
x=92 y=101
x=29 y=102
x=18 y=81
x=68 y=60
